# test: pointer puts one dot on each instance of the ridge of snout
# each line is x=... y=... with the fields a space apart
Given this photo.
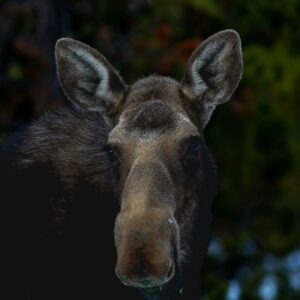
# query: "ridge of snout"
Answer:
x=148 y=185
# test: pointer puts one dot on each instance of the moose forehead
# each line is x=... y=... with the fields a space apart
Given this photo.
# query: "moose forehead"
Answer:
x=155 y=87
x=151 y=115
x=153 y=107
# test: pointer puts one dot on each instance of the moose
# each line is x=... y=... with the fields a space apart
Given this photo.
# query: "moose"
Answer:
x=127 y=169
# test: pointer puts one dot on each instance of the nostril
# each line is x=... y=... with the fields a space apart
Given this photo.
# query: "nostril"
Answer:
x=170 y=271
x=147 y=281
x=123 y=279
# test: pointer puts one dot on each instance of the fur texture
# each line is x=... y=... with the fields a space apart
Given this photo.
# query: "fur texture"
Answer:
x=129 y=161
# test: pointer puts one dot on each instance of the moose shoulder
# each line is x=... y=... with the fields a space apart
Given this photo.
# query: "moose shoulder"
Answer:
x=133 y=164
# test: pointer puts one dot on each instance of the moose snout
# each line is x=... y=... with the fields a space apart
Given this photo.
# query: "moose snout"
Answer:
x=145 y=248
x=140 y=279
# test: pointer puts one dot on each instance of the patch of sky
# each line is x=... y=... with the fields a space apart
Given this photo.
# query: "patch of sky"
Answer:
x=292 y=266
x=216 y=249
x=292 y=261
x=268 y=288
x=233 y=291
x=294 y=280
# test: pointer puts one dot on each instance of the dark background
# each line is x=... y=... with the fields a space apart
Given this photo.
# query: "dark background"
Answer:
x=255 y=248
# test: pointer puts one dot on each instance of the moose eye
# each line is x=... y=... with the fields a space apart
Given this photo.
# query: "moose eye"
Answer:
x=111 y=153
x=193 y=147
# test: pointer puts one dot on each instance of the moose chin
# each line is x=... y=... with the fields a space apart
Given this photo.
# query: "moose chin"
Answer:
x=142 y=144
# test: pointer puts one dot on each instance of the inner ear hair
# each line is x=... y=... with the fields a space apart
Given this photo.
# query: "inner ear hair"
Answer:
x=214 y=71
x=87 y=78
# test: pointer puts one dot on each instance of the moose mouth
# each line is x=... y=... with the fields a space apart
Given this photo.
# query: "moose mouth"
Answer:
x=154 y=291
x=159 y=290
x=152 y=286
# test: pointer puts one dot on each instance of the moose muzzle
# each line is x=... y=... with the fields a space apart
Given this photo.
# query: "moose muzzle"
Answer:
x=146 y=243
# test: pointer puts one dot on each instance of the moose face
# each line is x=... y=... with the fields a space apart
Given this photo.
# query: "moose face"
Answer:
x=150 y=145
x=155 y=146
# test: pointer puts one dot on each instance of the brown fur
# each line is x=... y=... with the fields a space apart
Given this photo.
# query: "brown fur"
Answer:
x=164 y=192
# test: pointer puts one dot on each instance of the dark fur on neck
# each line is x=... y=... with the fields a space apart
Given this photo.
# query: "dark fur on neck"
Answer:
x=56 y=159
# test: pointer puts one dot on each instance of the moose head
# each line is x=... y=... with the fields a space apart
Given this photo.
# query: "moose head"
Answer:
x=156 y=147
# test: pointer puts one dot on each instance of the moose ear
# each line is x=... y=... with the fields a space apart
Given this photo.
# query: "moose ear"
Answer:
x=87 y=78
x=213 y=72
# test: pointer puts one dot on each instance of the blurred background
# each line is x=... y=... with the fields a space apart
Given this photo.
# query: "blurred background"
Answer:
x=255 y=245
